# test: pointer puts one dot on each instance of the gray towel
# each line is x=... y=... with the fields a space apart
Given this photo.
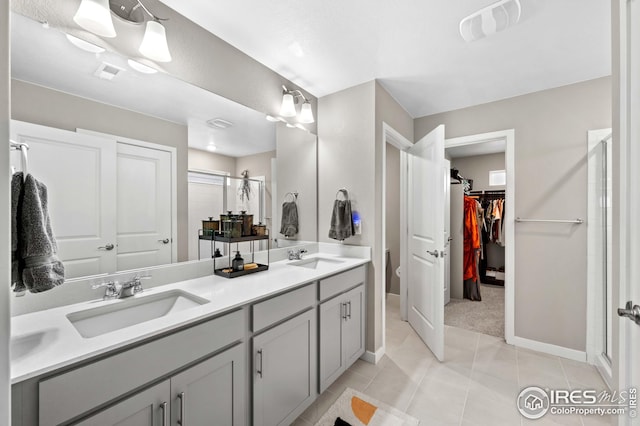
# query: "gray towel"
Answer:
x=289 y=223
x=35 y=264
x=341 y=221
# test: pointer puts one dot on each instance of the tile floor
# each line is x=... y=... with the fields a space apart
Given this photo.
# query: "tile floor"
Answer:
x=476 y=385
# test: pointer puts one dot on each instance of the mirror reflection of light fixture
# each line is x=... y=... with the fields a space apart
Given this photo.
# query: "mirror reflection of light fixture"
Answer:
x=288 y=107
x=496 y=17
x=94 y=16
x=84 y=45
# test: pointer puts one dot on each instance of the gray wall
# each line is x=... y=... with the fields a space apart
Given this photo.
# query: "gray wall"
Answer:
x=350 y=155
x=551 y=174
x=477 y=168
x=206 y=161
x=346 y=133
x=259 y=165
x=199 y=57
x=40 y=105
x=297 y=154
x=5 y=231
x=393 y=217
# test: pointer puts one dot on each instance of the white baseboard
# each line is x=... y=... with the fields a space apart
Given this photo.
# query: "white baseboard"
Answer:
x=373 y=358
x=550 y=349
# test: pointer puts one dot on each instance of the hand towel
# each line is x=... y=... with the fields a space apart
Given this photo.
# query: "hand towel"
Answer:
x=38 y=266
x=289 y=223
x=341 y=221
x=16 y=203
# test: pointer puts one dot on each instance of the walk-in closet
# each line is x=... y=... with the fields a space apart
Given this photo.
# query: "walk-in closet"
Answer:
x=477 y=241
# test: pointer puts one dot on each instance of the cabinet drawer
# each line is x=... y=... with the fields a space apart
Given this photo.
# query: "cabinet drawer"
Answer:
x=282 y=306
x=75 y=392
x=336 y=284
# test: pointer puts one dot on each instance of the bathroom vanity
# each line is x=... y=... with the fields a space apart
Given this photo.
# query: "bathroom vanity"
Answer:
x=257 y=350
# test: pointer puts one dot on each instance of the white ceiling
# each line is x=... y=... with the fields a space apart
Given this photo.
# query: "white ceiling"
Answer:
x=413 y=47
x=45 y=57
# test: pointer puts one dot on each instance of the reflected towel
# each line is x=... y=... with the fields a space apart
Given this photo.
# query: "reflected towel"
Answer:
x=289 y=223
x=35 y=260
x=341 y=221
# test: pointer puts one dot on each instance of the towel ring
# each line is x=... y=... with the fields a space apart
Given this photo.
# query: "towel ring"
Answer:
x=294 y=196
x=343 y=191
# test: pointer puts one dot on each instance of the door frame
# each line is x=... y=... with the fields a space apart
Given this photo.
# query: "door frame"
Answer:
x=393 y=137
x=174 y=178
x=508 y=136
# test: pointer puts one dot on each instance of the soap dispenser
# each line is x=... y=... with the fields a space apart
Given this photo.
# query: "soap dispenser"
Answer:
x=238 y=262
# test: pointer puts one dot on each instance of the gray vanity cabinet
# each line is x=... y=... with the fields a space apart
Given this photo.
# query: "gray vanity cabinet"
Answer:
x=211 y=392
x=285 y=370
x=342 y=325
x=145 y=408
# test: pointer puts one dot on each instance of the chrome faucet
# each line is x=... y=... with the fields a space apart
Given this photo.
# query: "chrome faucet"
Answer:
x=115 y=290
x=296 y=254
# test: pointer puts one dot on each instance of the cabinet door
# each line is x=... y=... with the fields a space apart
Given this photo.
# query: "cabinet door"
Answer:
x=332 y=316
x=353 y=328
x=212 y=392
x=141 y=409
x=285 y=370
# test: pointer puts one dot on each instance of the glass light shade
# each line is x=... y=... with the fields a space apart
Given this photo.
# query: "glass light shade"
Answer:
x=288 y=108
x=95 y=16
x=306 y=114
x=154 y=44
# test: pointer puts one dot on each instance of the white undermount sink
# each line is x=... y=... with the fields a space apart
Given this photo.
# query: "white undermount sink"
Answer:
x=127 y=312
x=315 y=262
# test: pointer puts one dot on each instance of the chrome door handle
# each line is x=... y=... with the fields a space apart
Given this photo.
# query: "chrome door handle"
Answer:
x=434 y=253
x=259 y=370
x=165 y=414
x=165 y=241
x=181 y=422
x=630 y=311
x=108 y=247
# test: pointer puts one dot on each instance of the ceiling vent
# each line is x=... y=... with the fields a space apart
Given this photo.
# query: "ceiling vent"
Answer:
x=496 y=17
x=219 y=123
x=107 y=71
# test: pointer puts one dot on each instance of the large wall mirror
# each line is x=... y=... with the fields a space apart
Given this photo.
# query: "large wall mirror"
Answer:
x=135 y=160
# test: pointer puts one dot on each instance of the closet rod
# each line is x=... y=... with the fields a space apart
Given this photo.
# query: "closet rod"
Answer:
x=576 y=221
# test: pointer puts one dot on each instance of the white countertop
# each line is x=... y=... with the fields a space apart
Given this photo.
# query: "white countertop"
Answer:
x=46 y=340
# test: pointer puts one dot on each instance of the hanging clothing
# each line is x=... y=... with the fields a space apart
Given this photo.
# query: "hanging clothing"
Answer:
x=471 y=239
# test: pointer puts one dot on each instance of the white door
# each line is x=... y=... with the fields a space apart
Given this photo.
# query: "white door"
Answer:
x=628 y=347
x=426 y=197
x=80 y=178
x=143 y=207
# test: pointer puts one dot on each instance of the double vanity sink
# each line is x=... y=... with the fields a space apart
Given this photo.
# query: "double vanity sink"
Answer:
x=45 y=340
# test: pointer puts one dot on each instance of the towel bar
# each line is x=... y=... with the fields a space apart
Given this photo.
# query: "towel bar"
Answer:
x=575 y=221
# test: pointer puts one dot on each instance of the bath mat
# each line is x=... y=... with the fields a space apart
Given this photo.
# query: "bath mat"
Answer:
x=358 y=409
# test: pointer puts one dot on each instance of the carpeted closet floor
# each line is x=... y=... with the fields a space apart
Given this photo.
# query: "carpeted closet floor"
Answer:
x=486 y=316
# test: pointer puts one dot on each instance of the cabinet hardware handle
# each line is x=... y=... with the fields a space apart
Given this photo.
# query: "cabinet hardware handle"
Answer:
x=181 y=422
x=107 y=247
x=165 y=414
x=165 y=241
x=349 y=314
x=259 y=370
x=343 y=311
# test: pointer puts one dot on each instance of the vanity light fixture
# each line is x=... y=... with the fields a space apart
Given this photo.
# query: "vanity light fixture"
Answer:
x=496 y=17
x=95 y=16
x=288 y=107
x=84 y=45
